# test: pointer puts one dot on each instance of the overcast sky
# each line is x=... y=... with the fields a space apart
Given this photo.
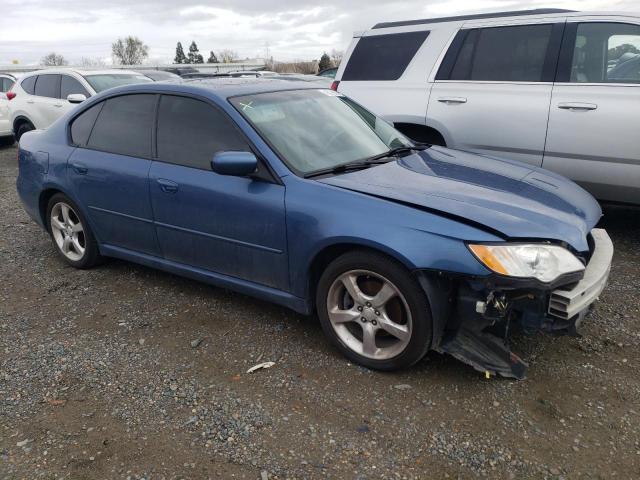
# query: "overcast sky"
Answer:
x=289 y=29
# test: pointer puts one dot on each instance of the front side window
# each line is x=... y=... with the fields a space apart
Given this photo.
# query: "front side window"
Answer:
x=606 y=53
x=124 y=126
x=70 y=85
x=317 y=129
x=383 y=57
x=191 y=132
x=503 y=54
x=103 y=81
x=48 y=86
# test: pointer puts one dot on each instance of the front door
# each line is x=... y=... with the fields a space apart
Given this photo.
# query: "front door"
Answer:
x=492 y=91
x=109 y=171
x=595 y=110
x=229 y=225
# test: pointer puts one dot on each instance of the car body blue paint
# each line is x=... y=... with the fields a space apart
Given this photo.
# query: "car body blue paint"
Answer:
x=261 y=238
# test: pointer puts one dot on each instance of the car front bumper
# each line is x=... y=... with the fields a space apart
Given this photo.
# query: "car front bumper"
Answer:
x=567 y=302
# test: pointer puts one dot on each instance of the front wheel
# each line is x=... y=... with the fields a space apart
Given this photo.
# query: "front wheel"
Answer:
x=71 y=234
x=374 y=311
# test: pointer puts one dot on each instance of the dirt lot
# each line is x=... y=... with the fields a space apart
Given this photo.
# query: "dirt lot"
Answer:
x=126 y=372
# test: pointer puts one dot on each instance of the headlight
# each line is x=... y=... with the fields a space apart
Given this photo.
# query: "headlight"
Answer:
x=543 y=262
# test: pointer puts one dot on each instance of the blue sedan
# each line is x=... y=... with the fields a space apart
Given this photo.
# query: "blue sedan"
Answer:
x=299 y=196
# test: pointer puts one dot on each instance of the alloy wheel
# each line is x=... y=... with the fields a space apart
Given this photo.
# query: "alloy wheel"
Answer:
x=369 y=314
x=68 y=231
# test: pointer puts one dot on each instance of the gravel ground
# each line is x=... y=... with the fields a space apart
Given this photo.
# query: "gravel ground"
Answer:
x=126 y=372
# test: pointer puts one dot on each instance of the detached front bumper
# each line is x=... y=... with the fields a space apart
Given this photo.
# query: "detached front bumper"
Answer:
x=483 y=315
x=567 y=302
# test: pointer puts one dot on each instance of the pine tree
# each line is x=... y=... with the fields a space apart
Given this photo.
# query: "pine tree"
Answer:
x=212 y=58
x=180 y=56
x=325 y=62
x=193 y=53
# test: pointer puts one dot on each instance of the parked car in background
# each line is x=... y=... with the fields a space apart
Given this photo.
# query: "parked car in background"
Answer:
x=159 y=75
x=180 y=71
x=6 y=133
x=328 y=72
x=543 y=86
x=41 y=97
x=298 y=195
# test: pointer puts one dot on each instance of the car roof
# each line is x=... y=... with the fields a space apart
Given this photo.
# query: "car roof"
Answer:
x=221 y=87
x=82 y=71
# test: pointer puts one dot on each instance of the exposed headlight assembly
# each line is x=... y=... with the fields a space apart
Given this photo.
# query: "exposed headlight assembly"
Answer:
x=542 y=262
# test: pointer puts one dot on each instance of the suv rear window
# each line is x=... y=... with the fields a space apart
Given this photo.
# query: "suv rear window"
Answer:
x=383 y=57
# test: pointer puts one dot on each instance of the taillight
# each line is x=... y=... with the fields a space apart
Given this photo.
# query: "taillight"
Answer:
x=334 y=85
x=10 y=95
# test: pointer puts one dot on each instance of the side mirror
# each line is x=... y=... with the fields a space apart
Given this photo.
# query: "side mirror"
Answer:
x=76 y=98
x=236 y=164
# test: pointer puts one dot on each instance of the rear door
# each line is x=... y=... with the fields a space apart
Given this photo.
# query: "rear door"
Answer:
x=230 y=225
x=594 y=121
x=109 y=170
x=492 y=91
x=47 y=106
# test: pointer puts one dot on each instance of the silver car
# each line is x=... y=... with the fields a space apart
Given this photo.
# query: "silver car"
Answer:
x=554 y=88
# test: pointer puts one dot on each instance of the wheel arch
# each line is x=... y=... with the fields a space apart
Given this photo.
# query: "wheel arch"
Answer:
x=49 y=191
x=19 y=120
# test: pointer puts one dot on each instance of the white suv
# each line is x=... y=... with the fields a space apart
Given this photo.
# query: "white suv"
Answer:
x=553 y=88
x=39 y=98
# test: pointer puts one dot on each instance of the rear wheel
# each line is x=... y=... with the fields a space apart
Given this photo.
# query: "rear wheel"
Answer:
x=7 y=141
x=71 y=234
x=23 y=128
x=372 y=309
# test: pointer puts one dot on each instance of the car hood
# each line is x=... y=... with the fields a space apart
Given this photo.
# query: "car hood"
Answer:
x=514 y=199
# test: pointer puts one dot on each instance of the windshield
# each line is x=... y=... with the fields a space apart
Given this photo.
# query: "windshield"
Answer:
x=103 y=81
x=314 y=130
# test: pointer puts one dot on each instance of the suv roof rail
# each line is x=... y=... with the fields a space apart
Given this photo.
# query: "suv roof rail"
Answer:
x=478 y=16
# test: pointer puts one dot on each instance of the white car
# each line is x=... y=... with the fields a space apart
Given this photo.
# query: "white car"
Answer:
x=39 y=98
x=553 y=88
x=6 y=133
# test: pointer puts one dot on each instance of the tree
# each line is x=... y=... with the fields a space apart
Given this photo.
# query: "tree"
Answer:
x=336 y=57
x=88 y=62
x=129 y=51
x=617 y=52
x=228 y=56
x=180 y=56
x=325 y=62
x=194 y=54
x=212 y=58
x=53 y=60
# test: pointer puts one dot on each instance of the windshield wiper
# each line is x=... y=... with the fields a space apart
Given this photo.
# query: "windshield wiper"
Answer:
x=345 y=167
x=397 y=151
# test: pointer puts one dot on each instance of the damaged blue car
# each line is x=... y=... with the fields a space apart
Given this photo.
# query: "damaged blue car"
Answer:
x=300 y=196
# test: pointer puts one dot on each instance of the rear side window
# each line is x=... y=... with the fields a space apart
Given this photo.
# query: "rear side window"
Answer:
x=383 y=57
x=5 y=84
x=82 y=125
x=70 y=85
x=507 y=54
x=190 y=132
x=48 y=86
x=29 y=84
x=124 y=126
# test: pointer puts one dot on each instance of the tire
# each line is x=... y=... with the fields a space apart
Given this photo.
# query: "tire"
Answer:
x=24 y=128
x=71 y=234
x=7 y=141
x=401 y=326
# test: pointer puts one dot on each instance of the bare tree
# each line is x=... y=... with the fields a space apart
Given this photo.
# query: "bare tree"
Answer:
x=336 y=57
x=228 y=56
x=53 y=60
x=129 y=51
x=88 y=62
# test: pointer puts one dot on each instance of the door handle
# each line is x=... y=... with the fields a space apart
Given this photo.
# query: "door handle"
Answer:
x=31 y=101
x=79 y=168
x=577 y=107
x=57 y=105
x=167 y=186
x=452 y=100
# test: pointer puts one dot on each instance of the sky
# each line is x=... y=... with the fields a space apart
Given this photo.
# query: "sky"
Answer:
x=288 y=30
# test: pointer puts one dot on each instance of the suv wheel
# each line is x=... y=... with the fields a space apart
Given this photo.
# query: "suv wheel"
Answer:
x=23 y=128
x=372 y=309
x=71 y=234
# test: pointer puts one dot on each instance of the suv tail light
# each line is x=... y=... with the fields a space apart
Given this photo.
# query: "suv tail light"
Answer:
x=10 y=95
x=334 y=85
